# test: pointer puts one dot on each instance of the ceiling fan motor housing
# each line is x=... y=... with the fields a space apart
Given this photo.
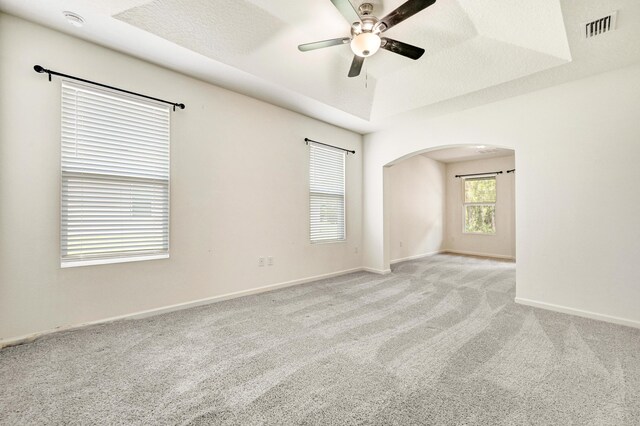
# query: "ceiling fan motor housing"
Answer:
x=368 y=23
x=365 y=9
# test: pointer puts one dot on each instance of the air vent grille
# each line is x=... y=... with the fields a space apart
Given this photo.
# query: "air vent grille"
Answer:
x=600 y=25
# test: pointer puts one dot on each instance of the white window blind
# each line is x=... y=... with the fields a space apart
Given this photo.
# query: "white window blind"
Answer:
x=115 y=177
x=326 y=194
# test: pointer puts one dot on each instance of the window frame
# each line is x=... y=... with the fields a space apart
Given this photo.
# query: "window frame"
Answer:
x=344 y=196
x=67 y=262
x=484 y=203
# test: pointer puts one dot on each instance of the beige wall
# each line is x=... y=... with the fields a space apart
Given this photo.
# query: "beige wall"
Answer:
x=239 y=190
x=577 y=162
x=502 y=244
x=417 y=207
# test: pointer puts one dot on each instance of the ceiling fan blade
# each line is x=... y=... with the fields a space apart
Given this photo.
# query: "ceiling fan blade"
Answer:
x=356 y=66
x=346 y=9
x=325 y=43
x=407 y=10
x=404 y=49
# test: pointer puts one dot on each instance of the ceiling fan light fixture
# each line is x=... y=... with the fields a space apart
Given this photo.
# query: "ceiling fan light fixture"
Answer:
x=365 y=37
x=365 y=44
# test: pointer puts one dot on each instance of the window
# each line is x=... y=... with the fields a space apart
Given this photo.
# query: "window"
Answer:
x=326 y=194
x=115 y=178
x=480 y=205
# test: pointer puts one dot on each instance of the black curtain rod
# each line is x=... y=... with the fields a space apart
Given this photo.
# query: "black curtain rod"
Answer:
x=307 y=140
x=480 y=174
x=41 y=70
x=511 y=171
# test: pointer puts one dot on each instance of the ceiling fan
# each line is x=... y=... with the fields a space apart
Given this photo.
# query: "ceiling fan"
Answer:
x=365 y=37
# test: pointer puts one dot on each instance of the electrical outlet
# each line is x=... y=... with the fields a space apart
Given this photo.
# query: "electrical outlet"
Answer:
x=261 y=261
x=355 y=250
x=400 y=243
x=270 y=260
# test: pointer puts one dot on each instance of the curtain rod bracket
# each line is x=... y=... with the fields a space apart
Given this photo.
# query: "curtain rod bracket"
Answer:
x=40 y=69
x=307 y=140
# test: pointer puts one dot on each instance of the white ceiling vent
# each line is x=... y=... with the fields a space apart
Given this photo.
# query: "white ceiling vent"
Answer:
x=600 y=25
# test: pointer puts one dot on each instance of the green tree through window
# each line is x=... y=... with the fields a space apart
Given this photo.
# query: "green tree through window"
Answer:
x=480 y=205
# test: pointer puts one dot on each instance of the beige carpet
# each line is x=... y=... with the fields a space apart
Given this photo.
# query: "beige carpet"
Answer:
x=439 y=341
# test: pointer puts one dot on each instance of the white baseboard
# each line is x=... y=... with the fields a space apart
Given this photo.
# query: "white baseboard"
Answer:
x=577 y=312
x=11 y=341
x=417 y=256
x=473 y=253
x=377 y=271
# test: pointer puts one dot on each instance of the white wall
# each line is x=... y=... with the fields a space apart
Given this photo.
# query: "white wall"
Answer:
x=578 y=150
x=417 y=207
x=502 y=243
x=239 y=190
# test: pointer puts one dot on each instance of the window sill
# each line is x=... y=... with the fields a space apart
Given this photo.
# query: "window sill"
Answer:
x=92 y=262
x=328 y=241
x=479 y=233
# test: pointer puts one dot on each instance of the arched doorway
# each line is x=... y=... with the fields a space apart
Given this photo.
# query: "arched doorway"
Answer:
x=457 y=199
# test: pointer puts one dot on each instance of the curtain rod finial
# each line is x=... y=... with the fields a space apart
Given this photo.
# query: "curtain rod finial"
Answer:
x=38 y=68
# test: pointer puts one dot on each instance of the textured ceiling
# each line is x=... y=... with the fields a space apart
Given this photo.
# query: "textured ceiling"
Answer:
x=470 y=45
x=477 y=51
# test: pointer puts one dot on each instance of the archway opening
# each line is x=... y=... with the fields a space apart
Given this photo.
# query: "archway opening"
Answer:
x=456 y=199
